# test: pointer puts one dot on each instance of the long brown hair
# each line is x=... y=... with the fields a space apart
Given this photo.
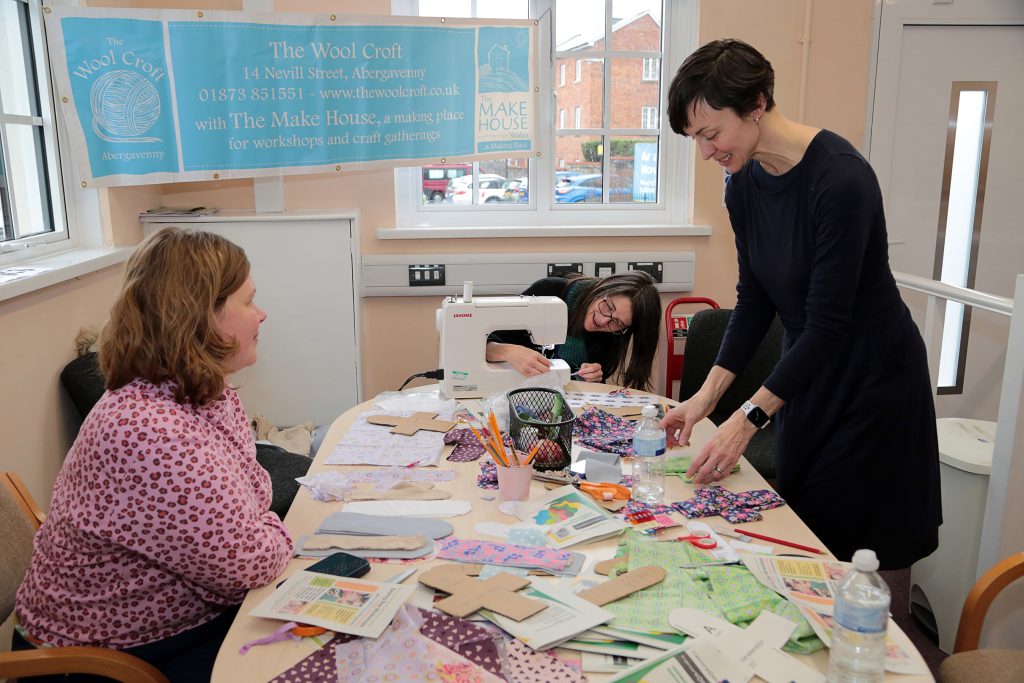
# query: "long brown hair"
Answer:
x=163 y=323
x=639 y=287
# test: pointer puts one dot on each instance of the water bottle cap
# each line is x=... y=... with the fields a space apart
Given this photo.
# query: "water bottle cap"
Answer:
x=865 y=560
x=649 y=410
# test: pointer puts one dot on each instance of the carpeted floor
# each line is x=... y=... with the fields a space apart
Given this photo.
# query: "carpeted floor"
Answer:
x=899 y=587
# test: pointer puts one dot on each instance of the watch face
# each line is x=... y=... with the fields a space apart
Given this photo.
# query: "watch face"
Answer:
x=756 y=415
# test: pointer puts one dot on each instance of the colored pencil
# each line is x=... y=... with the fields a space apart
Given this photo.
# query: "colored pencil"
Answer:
x=496 y=434
x=533 y=452
x=497 y=459
x=780 y=541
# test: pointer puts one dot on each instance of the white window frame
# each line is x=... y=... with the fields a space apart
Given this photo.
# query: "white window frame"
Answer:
x=579 y=71
x=561 y=118
x=649 y=118
x=671 y=214
x=561 y=74
x=577 y=117
x=652 y=69
x=71 y=204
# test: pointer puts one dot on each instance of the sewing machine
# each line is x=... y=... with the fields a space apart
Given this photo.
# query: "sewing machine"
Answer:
x=465 y=322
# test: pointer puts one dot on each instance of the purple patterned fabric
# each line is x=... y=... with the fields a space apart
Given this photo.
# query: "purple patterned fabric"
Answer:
x=476 y=643
x=467 y=446
x=488 y=477
x=602 y=431
x=735 y=508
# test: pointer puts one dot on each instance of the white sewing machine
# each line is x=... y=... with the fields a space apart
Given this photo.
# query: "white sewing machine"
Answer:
x=465 y=322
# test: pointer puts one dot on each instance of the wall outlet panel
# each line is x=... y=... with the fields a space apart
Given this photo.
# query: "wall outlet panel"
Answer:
x=430 y=275
x=655 y=269
x=495 y=274
x=563 y=269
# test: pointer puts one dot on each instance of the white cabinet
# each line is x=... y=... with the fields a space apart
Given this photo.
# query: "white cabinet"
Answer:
x=302 y=266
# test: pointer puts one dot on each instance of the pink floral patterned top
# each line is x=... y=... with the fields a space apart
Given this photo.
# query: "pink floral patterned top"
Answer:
x=159 y=519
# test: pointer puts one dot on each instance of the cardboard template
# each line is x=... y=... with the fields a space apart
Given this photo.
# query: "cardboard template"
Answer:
x=469 y=595
x=408 y=426
x=623 y=585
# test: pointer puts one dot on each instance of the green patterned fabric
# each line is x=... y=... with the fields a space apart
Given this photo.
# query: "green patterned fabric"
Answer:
x=728 y=592
x=678 y=464
x=574 y=350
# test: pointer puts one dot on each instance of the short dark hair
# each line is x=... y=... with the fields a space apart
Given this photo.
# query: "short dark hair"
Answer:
x=724 y=73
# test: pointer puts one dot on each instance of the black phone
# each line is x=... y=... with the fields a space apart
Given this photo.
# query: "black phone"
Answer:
x=340 y=564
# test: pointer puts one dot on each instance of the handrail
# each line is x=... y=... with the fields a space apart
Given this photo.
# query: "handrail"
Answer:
x=969 y=297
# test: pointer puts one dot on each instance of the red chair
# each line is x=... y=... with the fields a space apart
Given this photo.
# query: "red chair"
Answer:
x=675 y=329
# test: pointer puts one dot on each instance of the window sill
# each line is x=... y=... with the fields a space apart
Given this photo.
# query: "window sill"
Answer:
x=61 y=267
x=554 y=231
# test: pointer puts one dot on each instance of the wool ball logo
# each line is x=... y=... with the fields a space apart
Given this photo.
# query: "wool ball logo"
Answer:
x=124 y=106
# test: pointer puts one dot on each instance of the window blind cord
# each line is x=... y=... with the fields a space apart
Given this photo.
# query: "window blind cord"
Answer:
x=429 y=374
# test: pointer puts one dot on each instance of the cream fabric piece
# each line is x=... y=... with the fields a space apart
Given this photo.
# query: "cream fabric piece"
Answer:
x=405 y=490
x=343 y=542
x=297 y=439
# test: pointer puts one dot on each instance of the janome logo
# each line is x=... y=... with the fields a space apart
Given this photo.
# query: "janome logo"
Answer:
x=462 y=315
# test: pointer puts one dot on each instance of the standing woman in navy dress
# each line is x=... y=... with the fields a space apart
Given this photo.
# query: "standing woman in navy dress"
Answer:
x=856 y=448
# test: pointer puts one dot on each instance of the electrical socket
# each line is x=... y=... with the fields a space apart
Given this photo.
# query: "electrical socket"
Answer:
x=426 y=275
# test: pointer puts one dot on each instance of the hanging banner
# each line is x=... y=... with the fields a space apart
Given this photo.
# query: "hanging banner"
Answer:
x=169 y=96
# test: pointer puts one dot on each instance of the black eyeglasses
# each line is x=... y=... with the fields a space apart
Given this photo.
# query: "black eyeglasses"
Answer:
x=615 y=326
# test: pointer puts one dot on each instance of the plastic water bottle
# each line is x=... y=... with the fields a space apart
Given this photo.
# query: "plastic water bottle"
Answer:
x=861 y=616
x=649 y=457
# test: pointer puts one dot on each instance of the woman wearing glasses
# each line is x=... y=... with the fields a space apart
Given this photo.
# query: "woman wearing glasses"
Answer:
x=606 y=316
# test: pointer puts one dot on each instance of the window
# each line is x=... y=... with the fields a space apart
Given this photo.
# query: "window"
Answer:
x=31 y=207
x=604 y=128
x=968 y=140
x=651 y=67
x=649 y=117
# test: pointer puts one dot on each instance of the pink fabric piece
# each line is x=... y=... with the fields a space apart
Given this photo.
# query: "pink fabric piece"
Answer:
x=159 y=519
x=528 y=666
x=506 y=554
x=401 y=653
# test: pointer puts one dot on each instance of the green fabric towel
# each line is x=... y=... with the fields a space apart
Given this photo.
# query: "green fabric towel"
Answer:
x=728 y=592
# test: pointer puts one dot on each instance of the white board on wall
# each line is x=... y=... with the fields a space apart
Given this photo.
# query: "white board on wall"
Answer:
x=302 y=266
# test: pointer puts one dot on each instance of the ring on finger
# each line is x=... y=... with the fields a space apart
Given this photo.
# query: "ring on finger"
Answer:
x=719 y=471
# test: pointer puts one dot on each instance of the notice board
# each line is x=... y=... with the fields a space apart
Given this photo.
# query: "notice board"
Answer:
x=155 y=96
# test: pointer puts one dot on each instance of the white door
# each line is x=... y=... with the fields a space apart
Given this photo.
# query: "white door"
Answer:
x=927 y=55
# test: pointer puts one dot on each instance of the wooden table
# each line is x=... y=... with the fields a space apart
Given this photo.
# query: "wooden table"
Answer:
x=305 y=515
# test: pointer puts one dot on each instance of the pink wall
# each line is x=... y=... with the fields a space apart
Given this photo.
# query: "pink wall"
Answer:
x=398 y=337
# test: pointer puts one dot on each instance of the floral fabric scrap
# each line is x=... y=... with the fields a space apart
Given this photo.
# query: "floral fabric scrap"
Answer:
x=507 y=554
x=602 y=431
x=735 y=508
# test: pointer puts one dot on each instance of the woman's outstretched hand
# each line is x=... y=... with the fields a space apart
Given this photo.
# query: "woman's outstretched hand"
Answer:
x=527 y=362
x=722 y=451
x=679 y=422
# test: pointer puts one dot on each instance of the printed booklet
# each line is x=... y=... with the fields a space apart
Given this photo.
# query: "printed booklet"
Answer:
x=337 y=603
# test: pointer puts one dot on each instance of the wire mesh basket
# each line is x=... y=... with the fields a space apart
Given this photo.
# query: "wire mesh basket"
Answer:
x=542 y=416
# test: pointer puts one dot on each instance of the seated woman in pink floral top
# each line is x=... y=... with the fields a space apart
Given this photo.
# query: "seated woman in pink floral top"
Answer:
x=159 y=521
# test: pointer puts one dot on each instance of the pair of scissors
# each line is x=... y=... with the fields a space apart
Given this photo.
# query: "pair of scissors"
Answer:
x=699 y=539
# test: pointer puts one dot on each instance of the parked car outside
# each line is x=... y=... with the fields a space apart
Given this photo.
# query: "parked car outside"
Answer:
x=516 y=191
x=588 y=188
x=436 y=178
x=490 y=190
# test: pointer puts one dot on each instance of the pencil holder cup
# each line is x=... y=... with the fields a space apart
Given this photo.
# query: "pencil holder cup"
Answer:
x=514 y=482
x=542 y=418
